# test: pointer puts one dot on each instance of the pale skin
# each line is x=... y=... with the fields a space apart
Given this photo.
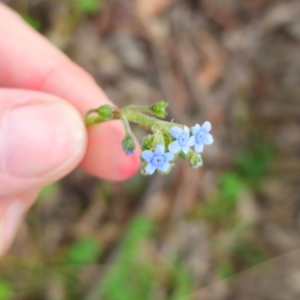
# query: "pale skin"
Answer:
x=43 y=98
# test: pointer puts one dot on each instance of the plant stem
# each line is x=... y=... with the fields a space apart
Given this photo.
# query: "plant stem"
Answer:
x=148 y=122
x=139 y=108
x=126 y=125
x=93 y=121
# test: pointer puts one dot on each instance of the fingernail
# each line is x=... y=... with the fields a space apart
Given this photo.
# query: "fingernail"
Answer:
x=39 y=139
x=10 y=223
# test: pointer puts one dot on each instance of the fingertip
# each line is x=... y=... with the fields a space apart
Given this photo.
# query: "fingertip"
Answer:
x=130 y=165
x=42 y=138
x=12 y=211
x=105 y=157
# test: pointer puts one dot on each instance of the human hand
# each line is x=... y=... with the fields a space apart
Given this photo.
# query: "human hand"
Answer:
x=43 y=96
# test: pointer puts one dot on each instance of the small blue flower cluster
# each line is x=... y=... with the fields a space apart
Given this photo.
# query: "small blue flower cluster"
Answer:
x=159 y=160
x=174 y=138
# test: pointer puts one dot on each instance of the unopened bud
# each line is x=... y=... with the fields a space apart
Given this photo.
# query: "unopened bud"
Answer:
x=159 y=109
x=106 y=112
x=195 y=160
x=128 y=144
x=148 y=142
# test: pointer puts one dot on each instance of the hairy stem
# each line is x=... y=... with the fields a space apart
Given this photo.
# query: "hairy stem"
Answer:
x=148 y=122
x=126 y=125
x=93 y=121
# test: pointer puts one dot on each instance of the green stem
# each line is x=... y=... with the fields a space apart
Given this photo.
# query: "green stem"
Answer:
x=93 y=121
x=90 y=112
x=126 y=124
x=158 y=138
x=147 y=122
x=139 y=108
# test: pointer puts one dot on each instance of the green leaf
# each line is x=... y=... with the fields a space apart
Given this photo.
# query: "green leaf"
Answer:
x=84 y=251
x=6 y=290
x=221 y=208
x=230 y=185
x=89 y=6
x=132 y=275
x=253 y=162
x=183 y=284
x=48 y=191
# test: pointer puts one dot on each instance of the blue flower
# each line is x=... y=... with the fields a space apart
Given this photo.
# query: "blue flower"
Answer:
x=157 y=159
x=182 y=141
x=201 y=136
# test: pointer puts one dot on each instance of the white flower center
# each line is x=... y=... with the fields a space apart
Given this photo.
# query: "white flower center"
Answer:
x=158 y=160
x=200 y=136
x=183 y=139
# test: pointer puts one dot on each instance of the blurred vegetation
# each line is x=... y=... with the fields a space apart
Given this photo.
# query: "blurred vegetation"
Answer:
x=6 y=290
x=251 y=166
x=34 y=22
x=88 y=6
x=134 y=271
x=84 y=251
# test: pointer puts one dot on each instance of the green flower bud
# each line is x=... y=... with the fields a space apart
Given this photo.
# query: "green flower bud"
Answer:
x=128 y=144
x=148 y=142
x=106 y=112
x=195 y=159
x=181 y=154
x=159 y=109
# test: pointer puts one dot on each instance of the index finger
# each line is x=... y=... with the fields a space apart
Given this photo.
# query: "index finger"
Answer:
x=29 y=61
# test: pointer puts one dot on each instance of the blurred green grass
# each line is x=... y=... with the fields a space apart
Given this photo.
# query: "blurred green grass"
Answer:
x=134 y=271
x=6 y=290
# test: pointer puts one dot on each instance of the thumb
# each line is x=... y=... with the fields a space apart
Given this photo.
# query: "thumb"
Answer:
x=42 y=138
x=12 y=211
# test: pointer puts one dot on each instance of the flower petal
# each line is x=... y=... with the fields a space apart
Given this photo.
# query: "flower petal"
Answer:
x=176 y=132
x=150 y=169
x=186 y=130
x=174 y=147
x=164 y=168
x=191 y=141
x=196 y=128
x=169 y=156
x=185 y=149
x=206 y=126
x=208 y=139
x=147 y=155
x=198 y=148
x=159 y=149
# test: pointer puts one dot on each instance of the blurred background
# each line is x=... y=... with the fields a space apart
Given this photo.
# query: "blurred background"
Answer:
x=229 y=230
